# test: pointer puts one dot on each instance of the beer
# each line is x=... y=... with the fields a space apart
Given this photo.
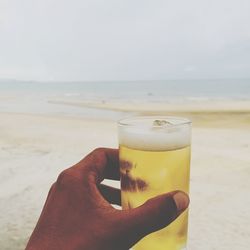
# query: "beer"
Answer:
x=155 y=159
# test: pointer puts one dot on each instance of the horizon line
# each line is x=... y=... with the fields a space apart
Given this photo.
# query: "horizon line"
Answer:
x=130 y=80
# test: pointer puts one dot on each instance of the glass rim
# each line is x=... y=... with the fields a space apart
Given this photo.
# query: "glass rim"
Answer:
x=130 y=121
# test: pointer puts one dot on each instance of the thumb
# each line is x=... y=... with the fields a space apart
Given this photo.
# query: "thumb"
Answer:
x=153 y=215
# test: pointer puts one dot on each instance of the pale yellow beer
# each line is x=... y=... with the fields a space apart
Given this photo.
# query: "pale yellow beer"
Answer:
x=155 y=159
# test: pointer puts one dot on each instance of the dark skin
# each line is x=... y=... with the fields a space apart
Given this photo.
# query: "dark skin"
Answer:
x=77 y=214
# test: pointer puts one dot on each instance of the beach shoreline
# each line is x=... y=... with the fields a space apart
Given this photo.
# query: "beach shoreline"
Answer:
x=210 y=105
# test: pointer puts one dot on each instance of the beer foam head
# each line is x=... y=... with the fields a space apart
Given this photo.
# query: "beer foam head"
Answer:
x=149 y=133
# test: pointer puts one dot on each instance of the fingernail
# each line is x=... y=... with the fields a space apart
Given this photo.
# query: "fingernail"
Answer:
x=181 y=200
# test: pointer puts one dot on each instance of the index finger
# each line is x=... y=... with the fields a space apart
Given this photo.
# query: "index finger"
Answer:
x=102 y=163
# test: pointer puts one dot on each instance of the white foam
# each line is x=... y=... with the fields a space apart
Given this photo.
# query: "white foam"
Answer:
x=155 y=138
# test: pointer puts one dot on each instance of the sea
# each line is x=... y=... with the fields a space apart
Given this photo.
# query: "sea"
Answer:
x=40 y=97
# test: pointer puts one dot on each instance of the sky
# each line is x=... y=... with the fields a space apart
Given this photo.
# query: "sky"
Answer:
x=96 y=40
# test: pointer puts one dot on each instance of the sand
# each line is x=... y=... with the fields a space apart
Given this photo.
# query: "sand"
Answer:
x=34 y=149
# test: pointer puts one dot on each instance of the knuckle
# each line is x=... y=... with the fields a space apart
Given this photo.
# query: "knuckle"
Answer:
x=98 y=156
x=98 y=151
x=66 y=179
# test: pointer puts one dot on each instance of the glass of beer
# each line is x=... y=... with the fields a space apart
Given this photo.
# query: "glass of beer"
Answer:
x=154 y=153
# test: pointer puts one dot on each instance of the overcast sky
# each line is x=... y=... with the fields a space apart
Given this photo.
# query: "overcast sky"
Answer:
x=124 y=39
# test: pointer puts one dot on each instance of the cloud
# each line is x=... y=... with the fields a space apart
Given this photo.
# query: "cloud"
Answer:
x=112 y=39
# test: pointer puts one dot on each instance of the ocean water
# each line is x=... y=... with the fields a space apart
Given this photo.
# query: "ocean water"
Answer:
x=36 y=97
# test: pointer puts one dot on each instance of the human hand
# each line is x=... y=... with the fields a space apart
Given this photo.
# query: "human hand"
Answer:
x=77 y=214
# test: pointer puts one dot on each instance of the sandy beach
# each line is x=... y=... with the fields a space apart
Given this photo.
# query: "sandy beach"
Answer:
x=35 y=148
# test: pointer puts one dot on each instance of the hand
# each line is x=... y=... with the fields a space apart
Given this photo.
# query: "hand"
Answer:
x=77 y=214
